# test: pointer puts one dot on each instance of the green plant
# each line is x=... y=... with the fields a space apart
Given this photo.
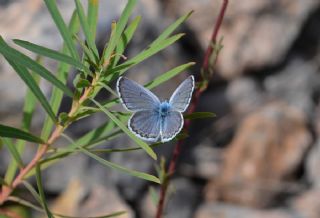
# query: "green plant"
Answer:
x=95 y=72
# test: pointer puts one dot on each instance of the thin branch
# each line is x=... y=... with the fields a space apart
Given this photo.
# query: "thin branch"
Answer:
x=205 y=67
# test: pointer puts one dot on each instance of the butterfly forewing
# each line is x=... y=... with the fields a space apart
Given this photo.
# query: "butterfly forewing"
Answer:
x=145 y=125
x=171 y=125
x=181 y=97
x=135 y=97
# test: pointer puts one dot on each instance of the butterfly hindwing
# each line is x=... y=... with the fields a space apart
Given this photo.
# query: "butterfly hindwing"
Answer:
x=181 y=97
x=135 y=97
x=172 y=124
x=145 y=125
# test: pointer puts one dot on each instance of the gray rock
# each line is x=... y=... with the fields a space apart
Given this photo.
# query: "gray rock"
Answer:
x=58 y=176
x=207 y=161
x=256 y=33
x=215 y=209
x=81 y=200
x=182 y=199
x=244 y=95
x=185 y=196
x=266 y=152
x=312 y=165
x=296 y=84
x=307 y=205
x=130 y=187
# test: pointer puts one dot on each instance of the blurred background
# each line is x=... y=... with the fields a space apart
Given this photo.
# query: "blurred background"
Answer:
x=260 y=156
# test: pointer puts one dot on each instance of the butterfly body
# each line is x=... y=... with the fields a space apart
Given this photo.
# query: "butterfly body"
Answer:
x=164 y=108
x=153 y=120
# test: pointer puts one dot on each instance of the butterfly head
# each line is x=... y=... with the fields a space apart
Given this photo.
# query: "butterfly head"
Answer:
x=164 y=108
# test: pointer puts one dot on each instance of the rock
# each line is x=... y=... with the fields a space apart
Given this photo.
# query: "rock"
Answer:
x=80 y=200
x=267 y=150
x=185 y=196
x=59 y=175
x=304 y=82
x=206 y=161
x=307 y=204
x=256 y=33
x=312 y=165
x=148 y=205
x=4 y=160
x=182 y=194
x=244 y=95
x=129 y=186
x=210 y=210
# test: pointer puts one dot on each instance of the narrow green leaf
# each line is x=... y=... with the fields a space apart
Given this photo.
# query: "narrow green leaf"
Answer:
x=33 y=86
x=141 y=175
x=154 y=196
x=41 y=192
x=168 y=75
x=120 y=69
x=32 y=191
x=143 y=145
x=36 y=208
x=28 y=110
x=109 y=89
x=169 y=30
x=93 y=10
x=92 y=59
x=199 y=115
x=23 y=60
x=13 y=151
x=62 y=75
x=116 y=214
x=11 y=132
x=125 y=39
x=25 y=203
x=182 y=135
x=92 y=137
x=82 y=83
x=119 y=29
x=29 y=105
x=86 y=28
x=113 y=150
x=62 y=27
x=3 y=182
x=56 y=55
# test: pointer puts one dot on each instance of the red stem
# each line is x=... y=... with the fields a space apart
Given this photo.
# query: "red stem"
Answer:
x=199 y=91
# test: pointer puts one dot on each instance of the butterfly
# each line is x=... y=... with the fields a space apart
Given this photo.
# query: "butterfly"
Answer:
x=153 y=120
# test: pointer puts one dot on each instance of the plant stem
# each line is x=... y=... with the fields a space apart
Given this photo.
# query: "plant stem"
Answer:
x=7 y=190
x=177 y=149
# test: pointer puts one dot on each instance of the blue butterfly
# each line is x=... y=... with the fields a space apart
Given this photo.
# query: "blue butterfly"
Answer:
x=153 y=120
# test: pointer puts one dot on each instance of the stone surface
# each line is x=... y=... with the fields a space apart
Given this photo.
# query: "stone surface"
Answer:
x=130 y=187
x=60 y=174
x=304 y=80
x=307 y=204
x=245 y=95
x=183 y=197
x=81 y=200
x=212 y=210
x=267 y=150
x=206 y=161
x=312 y=165
x=256 y=33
